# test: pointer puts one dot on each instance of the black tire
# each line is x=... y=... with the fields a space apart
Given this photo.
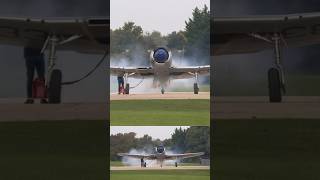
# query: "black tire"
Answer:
x=195 y=88
x=54 y=89
x=274 y=85
x=145 y=164
x=176 y=164
x=162 y=91
x=127 y=89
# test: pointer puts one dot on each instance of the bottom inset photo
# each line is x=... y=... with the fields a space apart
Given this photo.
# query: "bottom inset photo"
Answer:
x=159 y=152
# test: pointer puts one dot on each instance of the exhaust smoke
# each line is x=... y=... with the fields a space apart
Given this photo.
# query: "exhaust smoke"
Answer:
x=128 y=161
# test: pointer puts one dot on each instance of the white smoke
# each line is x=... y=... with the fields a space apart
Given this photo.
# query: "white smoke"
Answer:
x=129 y=161
x=146 y=85
x=185 y=84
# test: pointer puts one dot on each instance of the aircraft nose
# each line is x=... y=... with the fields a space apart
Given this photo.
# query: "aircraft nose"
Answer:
x=160 y=149
x=161 y=55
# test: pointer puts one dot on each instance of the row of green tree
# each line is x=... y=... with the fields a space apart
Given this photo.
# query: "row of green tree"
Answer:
x=193 y=139
x=194 y=40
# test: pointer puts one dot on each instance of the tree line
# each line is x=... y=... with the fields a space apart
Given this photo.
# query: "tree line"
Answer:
x=193 y=139
x=131 y=41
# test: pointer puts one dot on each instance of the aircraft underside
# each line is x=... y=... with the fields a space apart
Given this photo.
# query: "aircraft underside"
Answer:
x=160 y=82
x=158 y=162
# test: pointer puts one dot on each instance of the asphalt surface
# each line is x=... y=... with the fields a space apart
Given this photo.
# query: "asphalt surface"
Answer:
x=138 y=168
x=292 y=107
x=167 y=95
x=14 y=111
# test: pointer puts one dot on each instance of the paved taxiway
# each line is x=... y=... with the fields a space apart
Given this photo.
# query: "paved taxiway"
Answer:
x=167 y=95
x=292 y=107
x=17 y=111
x=138 y=168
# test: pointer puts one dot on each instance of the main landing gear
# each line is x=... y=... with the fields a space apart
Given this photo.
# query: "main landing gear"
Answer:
x=54 y=76
x=127 y=89
x=276 y=74
x=127 y=85
x=54 y=87
x=162 y=90
x=176 y=164
x=195 y=88
x=195 y=85
x=276 y=80
x=143 y=163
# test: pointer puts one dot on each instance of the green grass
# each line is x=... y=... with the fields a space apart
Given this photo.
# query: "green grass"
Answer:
x=52 y=150
x=296 y=85
x=116 y=163
x=160 y=112
x=161 y=175
x=266 y=149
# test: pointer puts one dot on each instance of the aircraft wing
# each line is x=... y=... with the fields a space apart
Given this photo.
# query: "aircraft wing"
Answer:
x=135 y=72
x=89 y=35
x=234 y=35
x=183 y=156
x=137 y=156
x=188 y=72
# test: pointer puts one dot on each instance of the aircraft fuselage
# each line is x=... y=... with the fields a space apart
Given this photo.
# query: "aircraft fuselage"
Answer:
x=161 y=61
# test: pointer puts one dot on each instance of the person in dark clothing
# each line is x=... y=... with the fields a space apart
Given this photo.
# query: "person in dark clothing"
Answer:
x=143 y=164
x=120 y=84
x=34 y=60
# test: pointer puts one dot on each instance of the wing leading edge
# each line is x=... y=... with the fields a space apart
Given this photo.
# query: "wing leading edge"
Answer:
x=188 y=72
x=183 y=156
x=175 y=72
x=167 y=157
x=32 y=32
x=235 y=35
x=137 y=156
x=134 y=72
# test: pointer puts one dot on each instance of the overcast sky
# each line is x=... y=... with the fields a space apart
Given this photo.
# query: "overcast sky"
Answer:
x=164 y=16
x=156 y=132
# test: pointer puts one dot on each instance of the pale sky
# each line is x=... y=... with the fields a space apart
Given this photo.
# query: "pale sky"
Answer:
x=164 y=16
x=156 y=132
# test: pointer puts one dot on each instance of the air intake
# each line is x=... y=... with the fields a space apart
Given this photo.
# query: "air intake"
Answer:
x=161 y=55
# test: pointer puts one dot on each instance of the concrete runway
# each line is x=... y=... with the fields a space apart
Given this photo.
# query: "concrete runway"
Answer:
x=15 y=110
x=223 y=108
x=167 y=95
x=292 y=107
x=138 y=168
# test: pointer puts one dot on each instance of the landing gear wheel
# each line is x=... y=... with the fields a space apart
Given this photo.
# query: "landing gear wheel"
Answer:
x=54 y=89
x=274 y=85
x=176 y=164
x=162 y=91
x=127 y=89
x=145 y=164
x=195 y=88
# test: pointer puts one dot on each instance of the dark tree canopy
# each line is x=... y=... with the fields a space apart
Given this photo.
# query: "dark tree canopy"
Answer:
x=197 y=33
x=131 y=42
x=193 y=139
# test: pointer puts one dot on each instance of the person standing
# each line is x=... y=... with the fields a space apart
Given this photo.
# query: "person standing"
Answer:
x=120 y=84
x=34 y=61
